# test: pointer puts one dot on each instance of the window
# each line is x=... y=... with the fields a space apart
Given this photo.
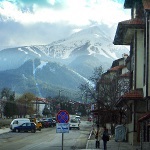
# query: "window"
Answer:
x=15 y=122
x=74 y=121
x=28 y=124
x=24 y=125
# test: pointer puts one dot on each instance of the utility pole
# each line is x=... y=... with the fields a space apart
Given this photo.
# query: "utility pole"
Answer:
x=25 y=105
x=36 y=107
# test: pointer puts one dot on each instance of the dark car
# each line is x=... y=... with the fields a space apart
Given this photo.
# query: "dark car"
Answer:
x=51 y=122
x=25 y=127
x=90 y=119
x=45 y=123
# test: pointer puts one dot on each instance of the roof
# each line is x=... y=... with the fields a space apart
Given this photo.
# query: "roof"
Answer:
x=116 y=68
x=131 y=95
x=129 y=4
x=125 y=31
x=101 y=111
x=41 y=99
x=146 y=4
x=127 y=74
x=145 y=117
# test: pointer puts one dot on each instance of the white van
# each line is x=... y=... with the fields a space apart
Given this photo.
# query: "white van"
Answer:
x=74 y=123
x=78 y=118
x=17 y=122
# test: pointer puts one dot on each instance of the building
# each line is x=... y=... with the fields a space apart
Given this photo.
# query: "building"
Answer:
x=136 y=33
x=110 y=87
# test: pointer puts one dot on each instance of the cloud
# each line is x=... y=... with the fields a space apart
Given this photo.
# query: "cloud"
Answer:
x=29 y=22
x=73 y=12
x=15 y=34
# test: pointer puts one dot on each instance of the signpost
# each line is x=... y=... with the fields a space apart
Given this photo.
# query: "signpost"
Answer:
x=62 y=125
x=62 y=128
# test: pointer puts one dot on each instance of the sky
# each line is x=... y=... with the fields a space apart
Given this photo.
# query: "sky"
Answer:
x=36 y=22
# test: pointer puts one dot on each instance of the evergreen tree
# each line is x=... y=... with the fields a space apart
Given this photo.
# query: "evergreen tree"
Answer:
x=10 y=108
x=46 y=111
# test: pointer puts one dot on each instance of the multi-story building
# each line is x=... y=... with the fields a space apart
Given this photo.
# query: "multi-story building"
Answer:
x=136 y=33
x=110 y=87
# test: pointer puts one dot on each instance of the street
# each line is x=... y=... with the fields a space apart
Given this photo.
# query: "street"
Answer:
x=46 y=139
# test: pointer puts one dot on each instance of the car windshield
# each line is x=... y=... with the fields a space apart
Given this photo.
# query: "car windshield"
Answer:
x=73 y=121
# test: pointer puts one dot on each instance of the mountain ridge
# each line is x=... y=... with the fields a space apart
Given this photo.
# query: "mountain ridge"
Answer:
x=80 y=53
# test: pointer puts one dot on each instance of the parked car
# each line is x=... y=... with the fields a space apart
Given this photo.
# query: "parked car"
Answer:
x=17 y=122
x=51 y=122
x=90 y=119
x=74 y=123
x=54 y=118
x=25 y=127
x=45 y=124
x=38 y=124
x=78 y=118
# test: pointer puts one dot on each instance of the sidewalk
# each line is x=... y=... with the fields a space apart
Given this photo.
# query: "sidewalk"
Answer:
x=4 y=130
x=111 y=145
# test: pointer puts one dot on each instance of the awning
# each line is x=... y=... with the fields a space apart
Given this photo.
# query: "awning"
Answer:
x=145 y=117
x=132 y=95
x=125 y=31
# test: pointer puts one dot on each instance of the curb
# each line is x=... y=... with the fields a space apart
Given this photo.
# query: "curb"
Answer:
x=89 y=139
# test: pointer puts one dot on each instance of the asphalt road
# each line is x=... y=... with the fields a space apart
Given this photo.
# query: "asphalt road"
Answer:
x=47 y=139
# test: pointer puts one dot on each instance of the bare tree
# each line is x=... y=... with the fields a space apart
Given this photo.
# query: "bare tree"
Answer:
x=110 y=87
x=88 y=89
x=106 y=90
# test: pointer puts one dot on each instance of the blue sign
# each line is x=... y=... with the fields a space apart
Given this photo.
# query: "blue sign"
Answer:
x=62 y=116
x=62 y=128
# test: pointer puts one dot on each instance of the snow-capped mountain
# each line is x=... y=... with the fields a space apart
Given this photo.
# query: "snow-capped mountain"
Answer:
x=89 y=42
x=80 y=53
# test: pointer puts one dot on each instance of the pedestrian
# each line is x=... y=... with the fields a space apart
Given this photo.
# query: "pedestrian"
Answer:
x=97 y=133
x=105 y=138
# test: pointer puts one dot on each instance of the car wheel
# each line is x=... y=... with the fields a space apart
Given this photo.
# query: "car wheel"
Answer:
x=33 y=130
x=17 y=130
x=70 y=128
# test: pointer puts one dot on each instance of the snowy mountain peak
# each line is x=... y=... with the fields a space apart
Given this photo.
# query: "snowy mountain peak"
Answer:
x=93 y=43
x=92 y=40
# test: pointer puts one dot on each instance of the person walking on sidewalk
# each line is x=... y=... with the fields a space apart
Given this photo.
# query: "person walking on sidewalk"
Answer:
x=97 y=133
x=105 y=138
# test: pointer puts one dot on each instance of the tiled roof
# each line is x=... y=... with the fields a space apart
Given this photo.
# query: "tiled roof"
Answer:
x=134 y=94
x=134 y=21
x=145 y=117
x=131 y=95
x=41 y=99
x=116 y=68
x=122 y=29
x=125 y=74
x=146 y=4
